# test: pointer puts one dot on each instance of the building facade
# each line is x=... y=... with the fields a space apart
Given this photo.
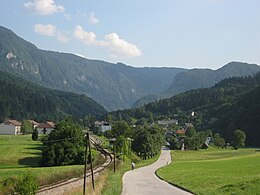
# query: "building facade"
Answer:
x=10 y=127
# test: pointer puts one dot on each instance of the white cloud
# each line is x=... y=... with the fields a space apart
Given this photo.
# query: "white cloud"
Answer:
x=88 y=38
x=117 y=46
x=92 y=18
x=62 y=38
x=120 y=47
x=47 y=30
x=50 y=30
x=44 y=7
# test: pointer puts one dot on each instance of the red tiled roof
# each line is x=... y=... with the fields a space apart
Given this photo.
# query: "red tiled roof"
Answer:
x=51 y=123
x=33 y=122
x=46 y=125
x=181 y=131
x=15 y=122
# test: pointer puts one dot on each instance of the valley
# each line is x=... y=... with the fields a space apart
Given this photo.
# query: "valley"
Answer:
x=204 y=121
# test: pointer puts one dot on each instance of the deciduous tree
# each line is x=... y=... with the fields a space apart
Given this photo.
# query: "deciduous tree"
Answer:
x=238 y=139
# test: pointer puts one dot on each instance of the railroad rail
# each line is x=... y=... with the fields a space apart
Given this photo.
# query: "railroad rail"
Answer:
x=63 y=186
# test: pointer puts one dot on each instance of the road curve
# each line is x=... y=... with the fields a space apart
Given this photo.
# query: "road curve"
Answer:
x=143 y=181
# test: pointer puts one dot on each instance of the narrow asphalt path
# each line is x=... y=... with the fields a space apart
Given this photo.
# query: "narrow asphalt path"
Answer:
x=143 y=181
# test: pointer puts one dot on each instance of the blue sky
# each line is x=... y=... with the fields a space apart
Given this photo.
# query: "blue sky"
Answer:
x=141 y=33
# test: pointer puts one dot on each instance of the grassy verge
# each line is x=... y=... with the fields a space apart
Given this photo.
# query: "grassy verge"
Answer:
x=215 y=171
x=110 y=183
x=114 y=183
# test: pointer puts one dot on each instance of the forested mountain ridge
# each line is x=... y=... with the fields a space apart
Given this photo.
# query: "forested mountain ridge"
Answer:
x=112 y=85
x=233 y=103
x=201 y=78
x=21 y=99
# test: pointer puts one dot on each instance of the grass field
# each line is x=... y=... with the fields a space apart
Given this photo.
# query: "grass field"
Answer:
x=20 y=155
x=215 y=171
x=19 y=151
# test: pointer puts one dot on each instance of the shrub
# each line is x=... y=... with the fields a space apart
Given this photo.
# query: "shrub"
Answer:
x=35 y=135
x=238 y=139
x=26 y=185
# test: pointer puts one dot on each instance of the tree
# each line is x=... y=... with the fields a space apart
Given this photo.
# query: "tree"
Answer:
x=218 y=140
x=174 y=143
x=121 y=128
x=35 y=135
x=27 y=127
x=190 y=132
x=193 y=140
x=64 y=146
x=238 y=139
x=147 y=141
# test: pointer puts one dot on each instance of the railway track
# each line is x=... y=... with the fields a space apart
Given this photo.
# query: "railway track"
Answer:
x=64 y=186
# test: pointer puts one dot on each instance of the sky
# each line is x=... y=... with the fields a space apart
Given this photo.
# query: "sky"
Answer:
x=141 y=33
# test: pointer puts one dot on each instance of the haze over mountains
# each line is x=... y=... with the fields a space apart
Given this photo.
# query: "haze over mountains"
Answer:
x=114 y=86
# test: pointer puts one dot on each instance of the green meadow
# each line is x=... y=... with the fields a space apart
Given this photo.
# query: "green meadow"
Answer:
x=215 y=171
x=18 y=151
x=20 y=155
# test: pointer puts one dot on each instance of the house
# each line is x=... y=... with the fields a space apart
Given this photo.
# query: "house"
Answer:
x=45 y=128
x=167 y=122
x=102 y=126
x=34 y=123
x=10 y=127
x=180 y=131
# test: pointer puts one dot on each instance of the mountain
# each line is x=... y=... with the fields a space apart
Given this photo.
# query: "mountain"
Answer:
x=233 y=103
x=21 y=99
x=115 y=86
x=202 y=78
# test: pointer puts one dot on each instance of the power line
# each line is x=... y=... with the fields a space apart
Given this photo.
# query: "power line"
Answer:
x=58 y=140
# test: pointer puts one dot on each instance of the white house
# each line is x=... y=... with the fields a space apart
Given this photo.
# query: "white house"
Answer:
x=102 y=126
x=10 y=127
x=45 y=128
x=168 y=122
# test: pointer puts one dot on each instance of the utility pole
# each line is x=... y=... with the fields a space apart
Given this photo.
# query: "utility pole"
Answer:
x=113 y=140
x=91 y=166
x=85 y=167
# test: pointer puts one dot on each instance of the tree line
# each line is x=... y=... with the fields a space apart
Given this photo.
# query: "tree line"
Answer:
x=20 y=99
x=231 y=104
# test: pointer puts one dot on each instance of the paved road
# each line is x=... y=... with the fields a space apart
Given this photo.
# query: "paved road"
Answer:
x=143 y=181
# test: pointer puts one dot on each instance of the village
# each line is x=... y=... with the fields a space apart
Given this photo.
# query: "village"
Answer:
x=171 y=128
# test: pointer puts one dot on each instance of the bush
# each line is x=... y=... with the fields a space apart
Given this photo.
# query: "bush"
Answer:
x=26 y=185
x=218 y=140
x=238 y=139
x=35 y=135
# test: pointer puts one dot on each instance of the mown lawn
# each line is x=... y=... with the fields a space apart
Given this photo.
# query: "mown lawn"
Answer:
x=19 y=151
x=215 y=171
